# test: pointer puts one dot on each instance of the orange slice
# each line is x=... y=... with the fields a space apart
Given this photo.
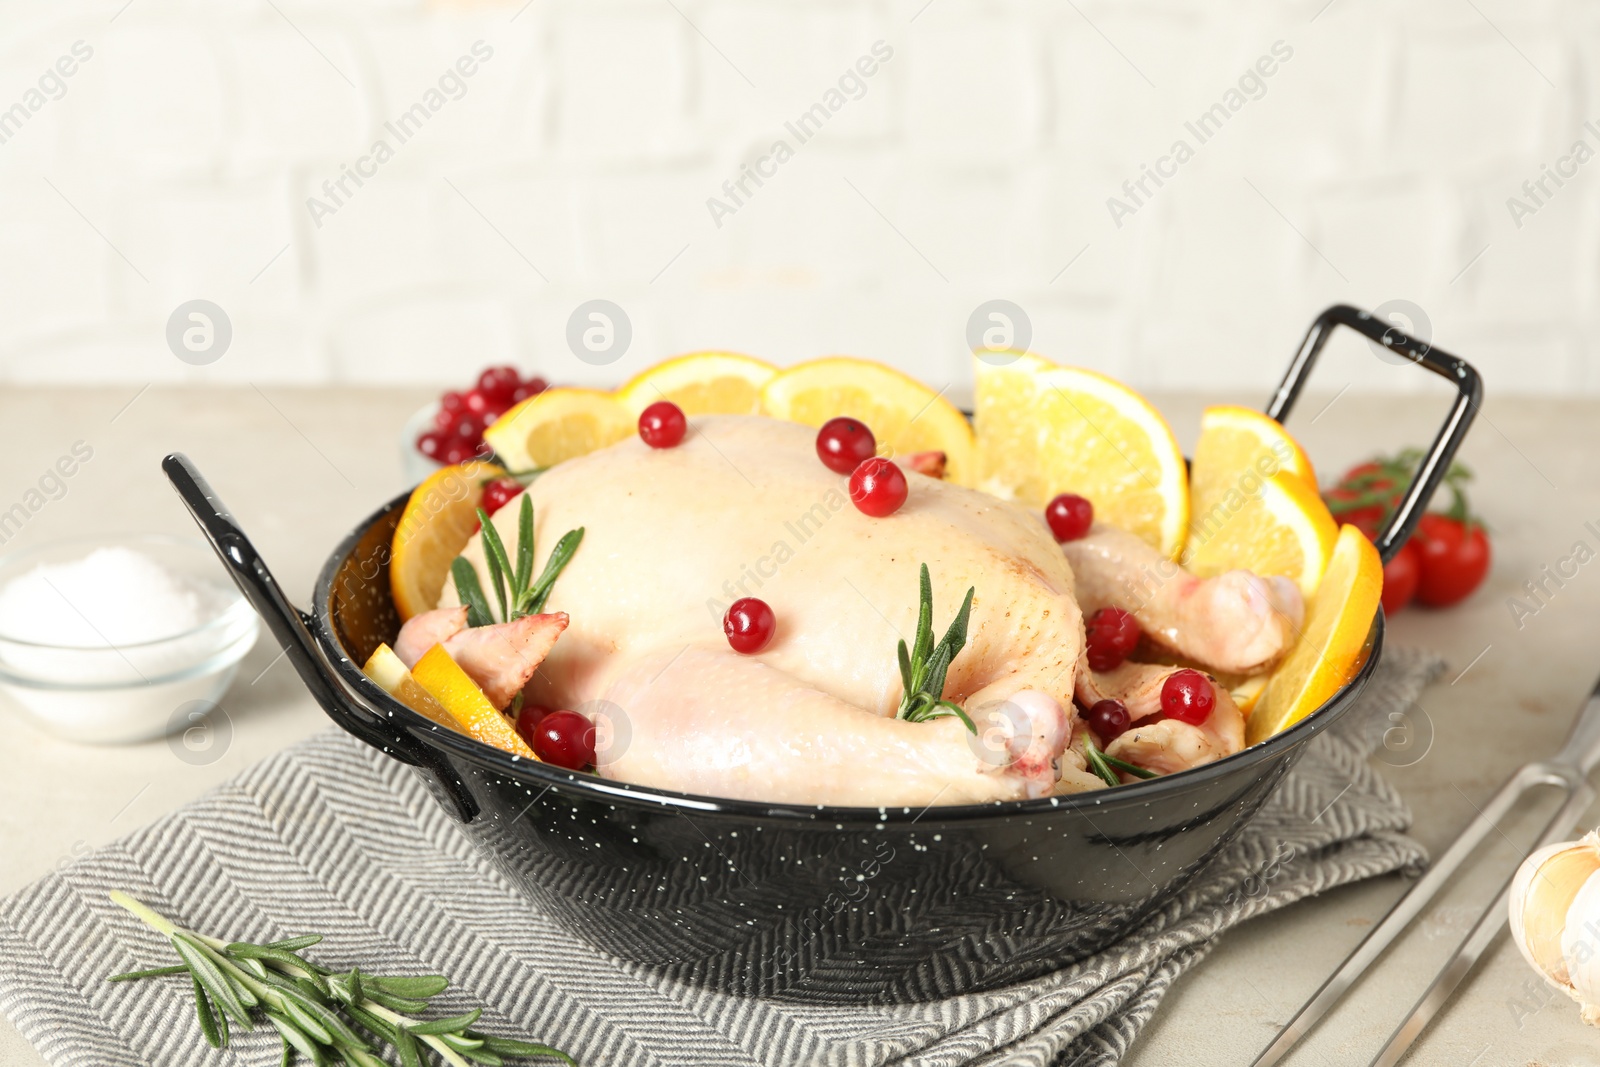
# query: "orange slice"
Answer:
x=1045 y=429
x=459 y=695
x=1276 y=526
x=387 y=669
x=1333 y=642
x=903 y=414
x=434 y=528
x=701 y=383
x=1238 y=447
x=558 y=425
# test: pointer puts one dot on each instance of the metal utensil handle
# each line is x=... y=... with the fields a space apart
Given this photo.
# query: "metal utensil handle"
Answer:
x=1469 y=397
x=1477 y=942
x=1400 y=916
x=251 y=574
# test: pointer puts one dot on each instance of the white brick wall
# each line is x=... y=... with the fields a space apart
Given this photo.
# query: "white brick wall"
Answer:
x=975 y=164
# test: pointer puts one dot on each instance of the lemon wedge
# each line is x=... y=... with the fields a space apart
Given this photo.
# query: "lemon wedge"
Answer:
x=435 y=526
x=1333 y=642
x=1044 y=429
x=904 y=415
x=460 y=696
x=386 y=669
x=558 y=425
x=1276 y=526
x=701 y=383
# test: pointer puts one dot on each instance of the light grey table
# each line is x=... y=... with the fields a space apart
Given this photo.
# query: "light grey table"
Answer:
x=299 y=467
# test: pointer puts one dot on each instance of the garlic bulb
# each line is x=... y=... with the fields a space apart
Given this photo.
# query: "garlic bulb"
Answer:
x=1555 y=918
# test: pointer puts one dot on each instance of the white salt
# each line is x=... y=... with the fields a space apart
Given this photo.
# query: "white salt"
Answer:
x=114 y=596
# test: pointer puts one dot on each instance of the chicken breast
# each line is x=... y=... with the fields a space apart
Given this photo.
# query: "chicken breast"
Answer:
x=744 y=508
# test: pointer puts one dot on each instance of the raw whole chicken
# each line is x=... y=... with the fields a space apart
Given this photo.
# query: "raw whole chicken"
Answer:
x=744 y=508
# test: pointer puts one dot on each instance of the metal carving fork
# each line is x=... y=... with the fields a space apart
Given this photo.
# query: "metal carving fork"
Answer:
x=1568 y=770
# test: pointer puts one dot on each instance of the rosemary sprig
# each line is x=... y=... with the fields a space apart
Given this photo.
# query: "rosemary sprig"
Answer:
x=924 y=665
x=516 y=591
x=309 y=1005
x=1101 y=763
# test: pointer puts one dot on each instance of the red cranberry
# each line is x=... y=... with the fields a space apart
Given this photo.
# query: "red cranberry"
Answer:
x=1108 y=719
x=498 y=383
x=1069 y=516
x=457 y=451
x=1187 y=696
x=877 y=488
x=498 y=492
x=476 y=401
x=531 y=387
x=453 y=402
x=662 y=424
x=564 y=739
x=1111 y=636
x=431 y=444
x=749 y=624
x=843 y=443
x=528 y=718
x=465 y=427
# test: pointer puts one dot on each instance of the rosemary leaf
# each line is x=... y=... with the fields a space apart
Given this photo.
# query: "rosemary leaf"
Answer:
x=1131 y=768
x=506 y=1046
x=905 y=667
x=209 y=975
x=461 y=1042
x=293 y=1035
x=483 y=1056
x=306 y=1021
x=216 y=1037
x=471 y=593
x=924 y=641
x=287 y=1060
x=524 y=544
x=152 y=972
x=246 y=951
x=1097 y=763
x=500 y=570
x=406 y=1046
x=447 y=1026
x=422 y=985
x=401 y=1004
x=293 y=944
x=560 y=556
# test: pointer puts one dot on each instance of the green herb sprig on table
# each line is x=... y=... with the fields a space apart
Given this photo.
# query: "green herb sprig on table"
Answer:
x=309 y=1005
x=924 y=665
x=516 y=591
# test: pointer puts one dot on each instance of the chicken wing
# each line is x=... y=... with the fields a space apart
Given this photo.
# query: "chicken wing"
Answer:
x=1236 y=622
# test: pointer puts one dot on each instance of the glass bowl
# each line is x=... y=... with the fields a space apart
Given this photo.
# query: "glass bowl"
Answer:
x=119 y=694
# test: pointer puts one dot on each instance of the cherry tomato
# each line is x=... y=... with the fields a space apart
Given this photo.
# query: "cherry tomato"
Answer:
x=1400 y=577
x=1455 y=558
x=1069 y=516
x=878 y=488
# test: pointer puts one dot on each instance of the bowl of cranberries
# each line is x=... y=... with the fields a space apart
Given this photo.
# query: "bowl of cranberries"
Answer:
x=450 y=430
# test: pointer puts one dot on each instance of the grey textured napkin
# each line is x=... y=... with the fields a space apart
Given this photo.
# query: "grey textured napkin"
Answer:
x=332 y=837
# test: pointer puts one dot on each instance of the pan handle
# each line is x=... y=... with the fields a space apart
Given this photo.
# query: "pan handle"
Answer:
x=1431 y=471
x=291 y=627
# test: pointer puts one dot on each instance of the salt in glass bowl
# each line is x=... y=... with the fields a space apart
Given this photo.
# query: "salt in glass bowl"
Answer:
x=128 y=692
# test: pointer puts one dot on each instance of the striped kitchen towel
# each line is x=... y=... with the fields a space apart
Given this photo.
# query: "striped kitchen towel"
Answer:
x=333 y=837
